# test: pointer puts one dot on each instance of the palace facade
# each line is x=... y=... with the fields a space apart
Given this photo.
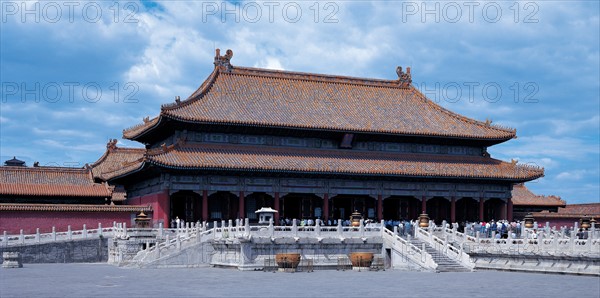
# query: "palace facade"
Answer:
x=311 y=146
x=315 y=146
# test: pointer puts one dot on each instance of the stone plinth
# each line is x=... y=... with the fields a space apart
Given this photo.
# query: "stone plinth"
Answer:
x=11 y=260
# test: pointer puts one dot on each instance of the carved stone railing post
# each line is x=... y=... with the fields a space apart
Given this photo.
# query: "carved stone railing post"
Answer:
x=69 y=233
x=223 y=228
x=37 y=235
x=21 y=237
x=339 y=228
x=214 y=233
x=294 y=228
x=84 y=232
x=246 y=227
x=318 y=227
x=361 y=228
x=99 y=230
x=5 y=238
x=572 y=241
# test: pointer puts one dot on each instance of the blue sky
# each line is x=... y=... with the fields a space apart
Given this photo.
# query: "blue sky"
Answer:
x=75 y=75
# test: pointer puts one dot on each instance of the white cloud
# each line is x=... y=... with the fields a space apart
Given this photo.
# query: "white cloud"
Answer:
x=270 y=63
x=540 y=146
x=563 y=126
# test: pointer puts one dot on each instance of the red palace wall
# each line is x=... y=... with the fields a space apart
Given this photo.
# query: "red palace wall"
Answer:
x=558 y=222
x=160 y=206
x=14 y=221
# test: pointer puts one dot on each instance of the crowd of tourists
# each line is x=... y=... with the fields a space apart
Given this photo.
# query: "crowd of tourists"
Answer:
x=498 y=229
x=313 y=222
x=504 y=228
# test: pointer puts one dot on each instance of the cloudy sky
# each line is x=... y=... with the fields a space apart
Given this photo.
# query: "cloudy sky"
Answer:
x=74 y=74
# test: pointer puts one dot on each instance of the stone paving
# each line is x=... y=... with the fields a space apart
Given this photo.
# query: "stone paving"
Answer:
x=93 y=280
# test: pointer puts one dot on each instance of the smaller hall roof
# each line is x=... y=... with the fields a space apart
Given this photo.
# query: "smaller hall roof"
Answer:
x=50 y=181
x=116 y=160
x=522 y=196
x=574 y=211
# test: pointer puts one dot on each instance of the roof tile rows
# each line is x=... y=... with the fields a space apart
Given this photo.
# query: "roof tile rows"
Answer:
x=521 y=195
x=60 y=190
x=44 y=175
x=574 y=211
x=249 y=96
x=116 y=161
x=50 y=181
x=243 y=157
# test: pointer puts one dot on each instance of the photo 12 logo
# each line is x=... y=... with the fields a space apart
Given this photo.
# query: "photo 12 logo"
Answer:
x=68 y=11
x=469 y=11
x=270 y=11
x=492 y=92
x=53 y=92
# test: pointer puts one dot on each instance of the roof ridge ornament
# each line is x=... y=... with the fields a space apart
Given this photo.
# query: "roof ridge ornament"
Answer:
x=224 y=62
x=404 y=78
x=112 y=144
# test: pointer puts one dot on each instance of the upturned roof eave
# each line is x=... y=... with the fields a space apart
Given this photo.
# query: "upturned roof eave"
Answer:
x=507 y=179
x=162 y=117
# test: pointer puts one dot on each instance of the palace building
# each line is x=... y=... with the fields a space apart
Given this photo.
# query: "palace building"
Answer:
x=316 y=146
x=311 y=146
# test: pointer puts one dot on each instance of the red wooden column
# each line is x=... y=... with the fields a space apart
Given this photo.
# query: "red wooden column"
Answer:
x=276 y=206
x=453 y=210
x=161 y=204
x=379 y=207
x=325 y=207
x=481 y=200
x=509 y=210
x=423 y=204
x=205 y=205
x=242 y=208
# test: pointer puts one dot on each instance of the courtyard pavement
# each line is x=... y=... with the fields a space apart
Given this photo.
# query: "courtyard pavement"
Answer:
x=94 y=280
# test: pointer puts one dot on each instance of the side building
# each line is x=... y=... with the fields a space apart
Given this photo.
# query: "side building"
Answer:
x=45 y=197
x=315 y=146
